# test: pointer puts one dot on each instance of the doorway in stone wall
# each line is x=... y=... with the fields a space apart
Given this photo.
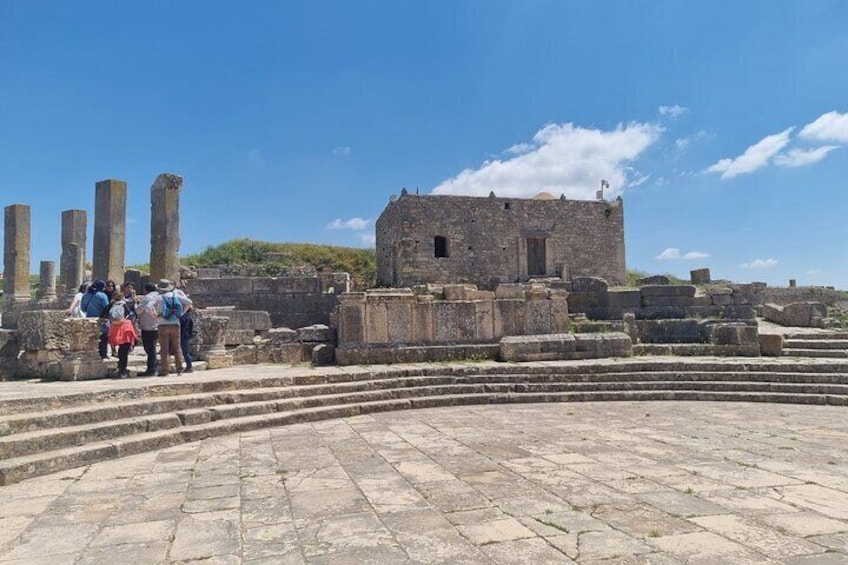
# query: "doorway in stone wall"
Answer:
x=536 y=256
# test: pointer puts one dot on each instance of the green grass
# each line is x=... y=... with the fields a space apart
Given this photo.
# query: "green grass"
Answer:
x=361 y=264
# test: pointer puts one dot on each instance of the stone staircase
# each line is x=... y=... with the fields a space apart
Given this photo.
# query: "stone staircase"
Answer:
x=818 y=344
x=52 y=432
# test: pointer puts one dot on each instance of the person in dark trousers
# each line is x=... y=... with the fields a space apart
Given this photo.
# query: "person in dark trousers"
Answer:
x=148 y=322
x=95 y=304
x=122 y=334
x=186 y=334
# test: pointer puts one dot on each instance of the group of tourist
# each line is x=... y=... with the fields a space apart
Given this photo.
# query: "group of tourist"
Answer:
x=162 y=315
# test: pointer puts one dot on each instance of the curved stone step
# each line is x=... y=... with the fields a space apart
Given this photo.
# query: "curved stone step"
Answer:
x=17 y=468
x=797 y=352
x=29 y=443
x=815 y=344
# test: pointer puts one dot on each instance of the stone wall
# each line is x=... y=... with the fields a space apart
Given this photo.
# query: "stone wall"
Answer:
x=783 y=296
x=398 y=316
x=593 y=297
x=291 y=301
x=497 y=240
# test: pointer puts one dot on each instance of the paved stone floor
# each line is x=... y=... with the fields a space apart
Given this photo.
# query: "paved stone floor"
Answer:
x=651 y=482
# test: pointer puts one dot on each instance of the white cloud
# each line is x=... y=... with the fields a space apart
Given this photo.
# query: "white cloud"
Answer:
x=255 y=157
x=673 y=111
x=831 y=126
x=673 y=254
x=760 y=264
x=813 y=272
x=519 y=149
x=342 y=150
x=801 y=157
x=351 y=224
x=562 y=159
x=368 y=238
x=755 y=157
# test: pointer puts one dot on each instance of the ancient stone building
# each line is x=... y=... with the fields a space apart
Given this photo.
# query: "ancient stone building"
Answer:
x=486 y=241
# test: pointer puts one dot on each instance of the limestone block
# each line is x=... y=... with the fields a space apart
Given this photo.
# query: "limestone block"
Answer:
x=296 y=285
x=454 y=321
x=458 y=291
x=399 y=327
x=239 y=337
x=734 y=333
x=323 y=354
x=208 y=273
x=773 y=313
x=376 y=321
x=291 y=353
x=718 y=290
x=653 y=280
x=9 y=346
x=699 y=276
x=350 y=315
x=218 y=360
x=771 y=345
x=422 y=320
x=509 y=317
x=211 y=332
x=593 y=327
x=722 y=299
x=663 y=312
x=282 y=335
x=681 y=301
x=537 y=317
x=484 y=319
x=243 y=354
x=53 y=330
x=480 y=295
x=536 y=292
x=256 y=320
x=537 y=348
x=588 y=284
x=624 y=298
x=802 y=314
x=559 y=315
x=668 y=290
x=316 y=332
x=734 y=312
x=702 y=300
x=669 y=331
x=264 y=350
x=583 y=301
x=615 y=344
x=509 y=291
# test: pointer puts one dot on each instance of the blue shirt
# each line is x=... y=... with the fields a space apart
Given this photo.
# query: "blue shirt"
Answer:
x=93 y=304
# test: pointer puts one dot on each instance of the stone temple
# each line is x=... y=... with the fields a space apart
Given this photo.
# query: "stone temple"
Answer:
x=487 y=241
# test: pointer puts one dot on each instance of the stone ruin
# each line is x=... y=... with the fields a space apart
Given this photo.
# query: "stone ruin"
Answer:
x=244 y=314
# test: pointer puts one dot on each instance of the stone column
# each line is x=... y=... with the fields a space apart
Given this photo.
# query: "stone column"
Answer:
x=110 y=229
x=47 y=280
x=72 y=262
x=16 y=248
x=211 y=331
x=165 y=227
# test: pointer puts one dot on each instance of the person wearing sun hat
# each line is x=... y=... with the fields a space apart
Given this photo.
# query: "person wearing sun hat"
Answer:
x=169 y=305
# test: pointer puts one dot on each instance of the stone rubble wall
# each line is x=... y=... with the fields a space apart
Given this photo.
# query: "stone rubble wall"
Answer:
x=290 y=301
x=248 y=338
x=594 y=298
x=487 y=239
x=797 y=314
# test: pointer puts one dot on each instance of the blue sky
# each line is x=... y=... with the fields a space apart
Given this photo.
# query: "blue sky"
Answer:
x=724 y=125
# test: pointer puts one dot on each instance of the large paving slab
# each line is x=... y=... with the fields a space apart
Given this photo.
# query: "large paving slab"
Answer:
x=598 y=483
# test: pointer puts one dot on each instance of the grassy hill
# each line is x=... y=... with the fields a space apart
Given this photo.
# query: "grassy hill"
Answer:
x=360 y=263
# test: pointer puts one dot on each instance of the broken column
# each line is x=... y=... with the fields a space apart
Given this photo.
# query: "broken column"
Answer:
x=16 y=247
x=72 y=262
x=165 y=227
x=47 y=281
x=110 y=225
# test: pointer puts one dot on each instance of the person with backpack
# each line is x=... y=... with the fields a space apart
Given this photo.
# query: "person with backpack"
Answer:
x=95 y=304
x=170 y=305
x=148 y=322
x=122 y=335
